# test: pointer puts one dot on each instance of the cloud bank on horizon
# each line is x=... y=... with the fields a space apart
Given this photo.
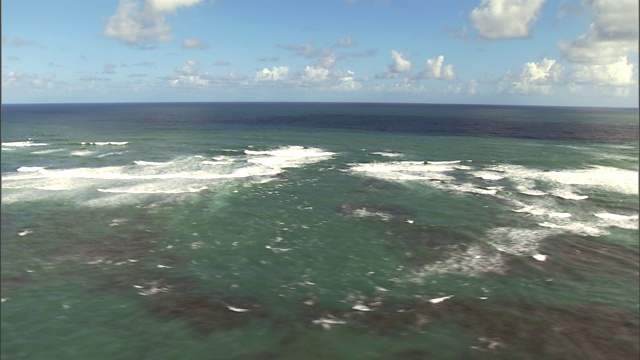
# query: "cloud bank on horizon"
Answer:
x=537 y=52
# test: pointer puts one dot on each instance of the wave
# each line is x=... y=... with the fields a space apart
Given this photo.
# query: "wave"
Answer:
x=288 y=156
x=152 y=190
x=577 y=228
x=29 y=169
x=388 y=154
x=615 y=179
x=110 y=154
x=48 y=151
x=405 y=170
x=82 y=153
x=488 y=175
x=152 y=163
x=518 y=241
x=105 y=143
x=182 y=175
x=617 y=217
x=444 y=162
x=23 y=144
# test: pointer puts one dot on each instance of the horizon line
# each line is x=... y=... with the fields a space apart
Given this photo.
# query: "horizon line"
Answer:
x=316 y=102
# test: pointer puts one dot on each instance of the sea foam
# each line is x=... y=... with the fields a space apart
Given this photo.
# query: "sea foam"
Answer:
x=29 y=169
x=23 y=144
x=182 y=175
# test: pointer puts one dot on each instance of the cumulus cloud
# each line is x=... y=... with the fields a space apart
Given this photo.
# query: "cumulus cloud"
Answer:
x=320 y=78
x=276 y=73
x=189 y=75
x=347 y=82
x=138 y=23
x=399 y=65
x=612 y=34
x=533 y=78
x=505 y=19
x=315 y=74
x=18 y=79
x=194 y=44
x=436 y=69
x=472 y=87
x=619 y=73
x=171 y=5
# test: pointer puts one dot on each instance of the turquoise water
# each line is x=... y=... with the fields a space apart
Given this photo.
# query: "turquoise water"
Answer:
x=319 y=231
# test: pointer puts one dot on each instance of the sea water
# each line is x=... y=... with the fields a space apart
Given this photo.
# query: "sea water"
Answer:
x=319 y=231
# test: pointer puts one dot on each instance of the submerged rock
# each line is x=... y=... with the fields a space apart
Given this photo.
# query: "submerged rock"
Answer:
x=207 y=313
x=423 y=244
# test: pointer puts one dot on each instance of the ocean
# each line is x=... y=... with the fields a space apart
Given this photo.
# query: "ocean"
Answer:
x=319 y=231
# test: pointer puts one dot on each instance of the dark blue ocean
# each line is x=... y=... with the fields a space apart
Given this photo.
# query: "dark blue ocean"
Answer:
x=319 y=231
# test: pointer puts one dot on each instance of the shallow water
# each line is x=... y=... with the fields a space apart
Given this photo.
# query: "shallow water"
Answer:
x=342 y=231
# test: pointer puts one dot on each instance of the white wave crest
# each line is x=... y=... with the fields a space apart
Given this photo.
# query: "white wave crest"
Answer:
x=405 y=170
x=287 y=157
x=29 y=169
x=112 y=185
x=388 y=154
x=152 y=163
x=616 y=217
x=23 y=144
x=105 y=143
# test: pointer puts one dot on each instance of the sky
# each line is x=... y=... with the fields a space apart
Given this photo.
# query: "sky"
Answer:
x=510 y=52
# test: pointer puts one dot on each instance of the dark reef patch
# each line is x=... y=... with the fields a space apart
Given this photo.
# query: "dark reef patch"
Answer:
x=424 y=244
x=545 y=332
x=206 y=313
x=580 y=258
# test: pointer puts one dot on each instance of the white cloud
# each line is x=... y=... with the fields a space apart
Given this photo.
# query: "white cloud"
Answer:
x=612 y=34
x=347 y=82
x=275 y=74
x=194 y=44
x=18 y=79
x=171 y=5
x=314 y=74
x=619 y=73
x=436 y=69
x=505 y=19
x=400 y=65
x=328 y=61
x=190 y=75
x=533 y=78
x=407 y=87
x=472 y=88
x=137 y=23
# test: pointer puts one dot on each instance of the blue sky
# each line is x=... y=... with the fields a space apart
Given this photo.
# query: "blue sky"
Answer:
x=531 y=52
